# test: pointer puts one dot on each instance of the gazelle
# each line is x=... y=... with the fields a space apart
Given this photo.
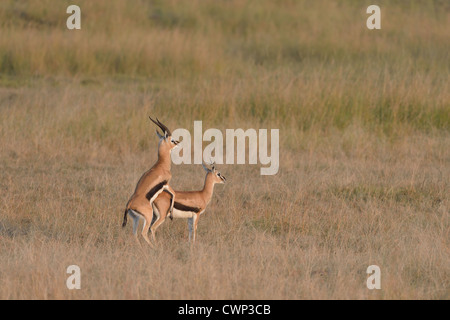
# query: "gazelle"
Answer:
x=188 y=204
x=151 y=184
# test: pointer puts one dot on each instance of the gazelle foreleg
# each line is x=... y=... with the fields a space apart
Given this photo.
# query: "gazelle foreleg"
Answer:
x=169 y=190
x=160 y=218
x=148 y=213
x=145 y=232
x=190 y=225
x=196 y=218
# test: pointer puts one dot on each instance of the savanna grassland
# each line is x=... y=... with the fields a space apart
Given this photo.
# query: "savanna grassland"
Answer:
x=364 y=119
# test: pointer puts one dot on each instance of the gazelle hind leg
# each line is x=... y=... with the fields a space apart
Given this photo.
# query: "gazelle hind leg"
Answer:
x=147 y=213
x=135 y=218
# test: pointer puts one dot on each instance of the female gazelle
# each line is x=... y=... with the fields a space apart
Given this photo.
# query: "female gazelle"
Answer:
x=151 y=184
x=188 y=204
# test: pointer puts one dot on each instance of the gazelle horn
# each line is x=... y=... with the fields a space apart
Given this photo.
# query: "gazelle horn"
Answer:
x=162 y=126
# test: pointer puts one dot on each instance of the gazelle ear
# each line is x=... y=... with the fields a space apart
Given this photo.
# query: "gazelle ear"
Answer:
x=166 y=134
x=159 y=135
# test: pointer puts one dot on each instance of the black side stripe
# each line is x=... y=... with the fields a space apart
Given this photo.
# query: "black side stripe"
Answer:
x=155 y=189
x=182 y=207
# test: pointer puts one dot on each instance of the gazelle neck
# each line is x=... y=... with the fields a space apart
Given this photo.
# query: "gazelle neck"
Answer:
x=164 y=156
x=208 y=188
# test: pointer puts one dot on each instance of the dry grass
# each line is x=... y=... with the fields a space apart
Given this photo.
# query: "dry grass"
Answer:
x=364 y=150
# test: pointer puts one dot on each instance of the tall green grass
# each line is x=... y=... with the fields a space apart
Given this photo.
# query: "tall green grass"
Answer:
x=297 y=63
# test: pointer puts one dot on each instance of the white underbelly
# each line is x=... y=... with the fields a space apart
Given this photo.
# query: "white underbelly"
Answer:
x=182 y=214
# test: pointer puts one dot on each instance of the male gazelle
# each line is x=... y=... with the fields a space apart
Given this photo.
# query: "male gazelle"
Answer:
x=188 y=204
x=151 y=184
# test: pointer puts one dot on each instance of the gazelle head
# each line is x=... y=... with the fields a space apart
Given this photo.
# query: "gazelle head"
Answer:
x=166 y=142
x=217 y=176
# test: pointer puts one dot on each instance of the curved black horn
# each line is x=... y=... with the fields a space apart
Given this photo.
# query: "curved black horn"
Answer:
x=161 y=126
x=164 y=128
x=155 y=122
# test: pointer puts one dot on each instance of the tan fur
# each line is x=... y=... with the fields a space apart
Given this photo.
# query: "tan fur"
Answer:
x=198 y=199
x=159 y=173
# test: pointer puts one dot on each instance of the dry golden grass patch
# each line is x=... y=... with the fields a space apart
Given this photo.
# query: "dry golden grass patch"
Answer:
x=343 y=200
x=364 y=148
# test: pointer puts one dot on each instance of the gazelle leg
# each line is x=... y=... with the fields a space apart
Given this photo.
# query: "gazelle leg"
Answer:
x=149 y=216
x=157 y=222
x=190 y=222
x=195 y=227
x=172 y=201
x=145 y=232
x=135 y=218
x=155 y=226
x=147 y=212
